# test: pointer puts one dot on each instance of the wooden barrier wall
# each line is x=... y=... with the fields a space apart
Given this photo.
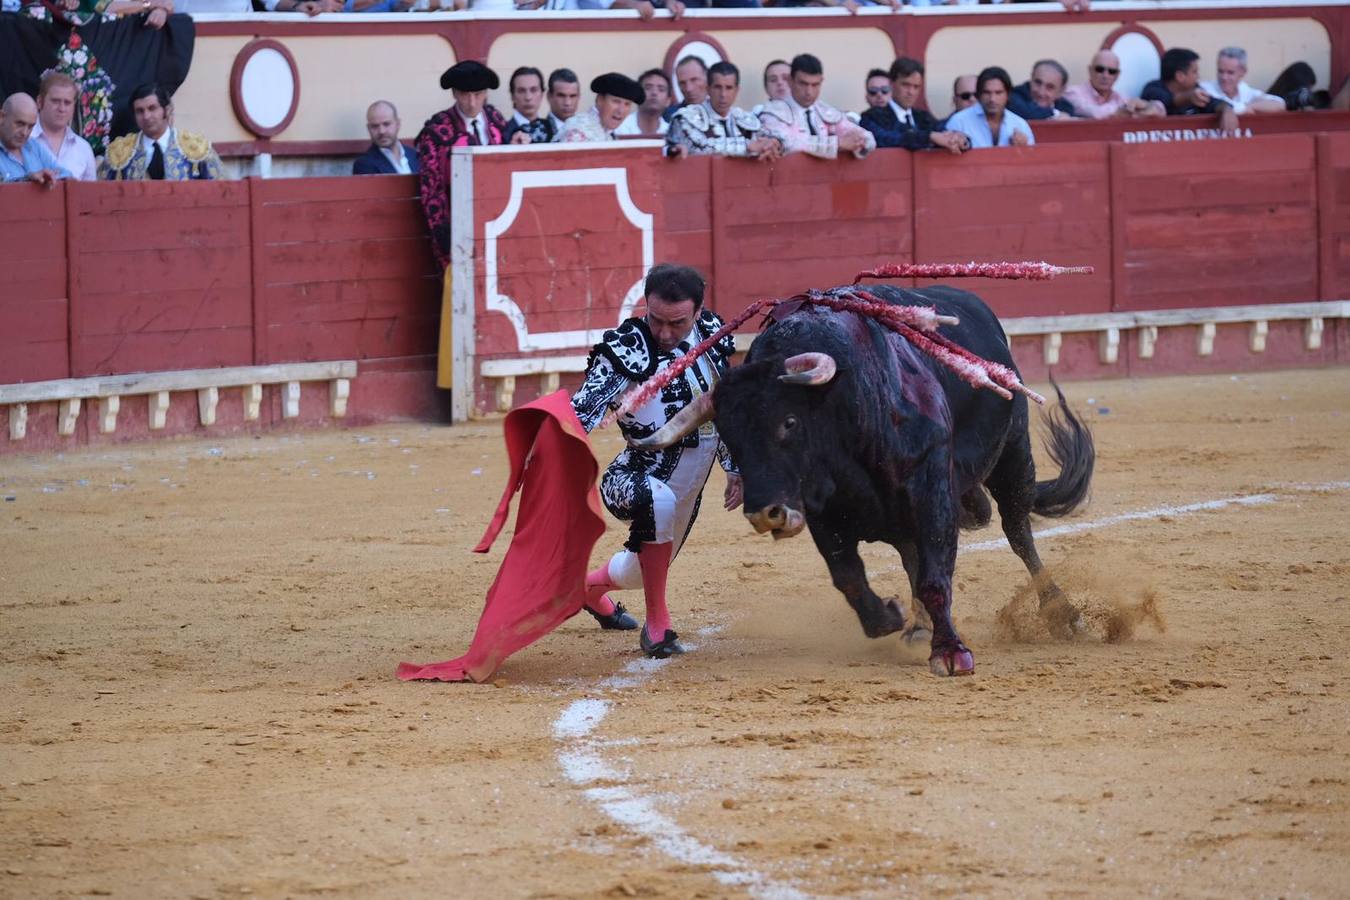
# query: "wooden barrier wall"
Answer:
x=115 y=278
x=1166 y=226
x=105 y=279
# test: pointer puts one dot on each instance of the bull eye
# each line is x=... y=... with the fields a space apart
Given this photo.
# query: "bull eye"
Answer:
x=786 y=429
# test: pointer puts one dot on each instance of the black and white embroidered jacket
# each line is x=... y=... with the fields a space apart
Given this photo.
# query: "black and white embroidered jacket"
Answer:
x=627 y=357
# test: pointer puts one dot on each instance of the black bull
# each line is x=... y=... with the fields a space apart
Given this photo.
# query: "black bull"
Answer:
x=879 y=442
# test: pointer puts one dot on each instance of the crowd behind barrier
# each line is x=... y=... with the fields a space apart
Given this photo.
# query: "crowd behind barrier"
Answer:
x=146 y=277
x=987 y=108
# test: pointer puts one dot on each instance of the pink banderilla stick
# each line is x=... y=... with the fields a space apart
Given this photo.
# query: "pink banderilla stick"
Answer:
x=1030 y=271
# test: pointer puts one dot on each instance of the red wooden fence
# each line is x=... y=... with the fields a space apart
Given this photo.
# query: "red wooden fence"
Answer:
x=1166 y=225
x=105 y=279
x=116 y=278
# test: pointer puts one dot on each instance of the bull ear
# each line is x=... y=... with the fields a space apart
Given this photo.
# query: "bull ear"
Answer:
x=812 y=369
x=684 y=423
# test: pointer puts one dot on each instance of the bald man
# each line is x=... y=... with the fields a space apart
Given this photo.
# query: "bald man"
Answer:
x=386 y=154
x=1099 y=99
x=20 y=158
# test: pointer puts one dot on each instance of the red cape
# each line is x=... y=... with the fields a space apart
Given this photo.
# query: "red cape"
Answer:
x=542 y=579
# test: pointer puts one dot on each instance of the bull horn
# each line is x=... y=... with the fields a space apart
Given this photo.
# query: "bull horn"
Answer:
x=812 y=369
x=684 y=423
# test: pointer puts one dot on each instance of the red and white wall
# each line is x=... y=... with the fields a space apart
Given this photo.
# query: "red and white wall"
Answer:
x=135 y=310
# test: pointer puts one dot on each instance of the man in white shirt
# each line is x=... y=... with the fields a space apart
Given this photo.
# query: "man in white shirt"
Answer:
x=56 y=99
x=386 y=154
x=616 y=95
x=804 y=123
x=1244 y=98
x=648 y=119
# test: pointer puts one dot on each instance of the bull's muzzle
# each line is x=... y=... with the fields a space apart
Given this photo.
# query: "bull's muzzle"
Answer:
x=783 y=521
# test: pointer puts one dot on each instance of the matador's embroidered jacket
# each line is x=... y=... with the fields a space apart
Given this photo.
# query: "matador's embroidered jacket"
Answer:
x=627 y=357
x=190 y=157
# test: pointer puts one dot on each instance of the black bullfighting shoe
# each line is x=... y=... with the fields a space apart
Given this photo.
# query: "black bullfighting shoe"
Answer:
x=666 y=647
x=619 y=620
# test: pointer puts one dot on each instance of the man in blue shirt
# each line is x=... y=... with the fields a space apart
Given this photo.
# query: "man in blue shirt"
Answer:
x=20 y=158
x=990 y=123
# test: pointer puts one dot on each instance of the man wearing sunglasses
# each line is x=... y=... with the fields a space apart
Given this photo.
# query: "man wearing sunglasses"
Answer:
x=1099 y=99
x=895 y=120
x=963 y=95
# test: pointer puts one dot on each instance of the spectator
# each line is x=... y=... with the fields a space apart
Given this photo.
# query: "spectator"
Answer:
x=777 y=84
x=778 y=80
x=615 y=97
x=1297 y=85
x=1099 y=99
x=963 y=92
x=159 y=152
x=646 y=9
x=691 y=73
x=878 y=88
x=57 y=95
x=564 y=96
x=386 y=154
x=1178 y=90
x=718 y=125
x=1042 y=97
x=308 y=7
x=471 y=121
x=892 y=116
x=804 y=123
x=649 y=118
x=527 y=98
x=153 y=13
x=991 y=123
x=1230 y=86
x=20 y=158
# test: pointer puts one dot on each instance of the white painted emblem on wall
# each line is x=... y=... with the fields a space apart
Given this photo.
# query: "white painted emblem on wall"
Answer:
x=499 y=302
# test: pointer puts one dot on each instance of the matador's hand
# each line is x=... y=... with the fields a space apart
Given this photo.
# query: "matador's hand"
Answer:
x=735 y=491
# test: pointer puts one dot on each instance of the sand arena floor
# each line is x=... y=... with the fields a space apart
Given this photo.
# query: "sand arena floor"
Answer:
x=199 y=639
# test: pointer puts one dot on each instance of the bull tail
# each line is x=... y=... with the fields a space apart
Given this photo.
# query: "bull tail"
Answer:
x=1069 y=444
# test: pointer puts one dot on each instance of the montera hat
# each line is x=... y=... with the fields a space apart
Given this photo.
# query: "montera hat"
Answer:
x=617 y=85
x=470 y=75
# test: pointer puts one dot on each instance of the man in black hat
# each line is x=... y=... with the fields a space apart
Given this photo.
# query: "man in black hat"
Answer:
x=470 y=122
x=616 y=96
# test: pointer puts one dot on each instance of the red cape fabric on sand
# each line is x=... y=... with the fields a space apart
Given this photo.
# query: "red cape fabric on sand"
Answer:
x=542 y=579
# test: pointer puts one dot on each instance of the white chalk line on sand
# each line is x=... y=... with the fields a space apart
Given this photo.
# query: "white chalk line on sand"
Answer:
x=579 y=751
x=579 y=756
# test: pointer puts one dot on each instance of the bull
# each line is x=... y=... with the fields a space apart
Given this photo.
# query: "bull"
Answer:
x=842 y=426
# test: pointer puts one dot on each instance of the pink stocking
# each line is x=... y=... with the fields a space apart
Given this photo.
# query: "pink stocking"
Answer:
x=655 y=562
x=597 y=583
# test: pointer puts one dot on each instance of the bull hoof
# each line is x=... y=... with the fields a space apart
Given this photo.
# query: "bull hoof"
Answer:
x=889 y=621
x=1063 y=619
x=918 y=635
x=952 y=662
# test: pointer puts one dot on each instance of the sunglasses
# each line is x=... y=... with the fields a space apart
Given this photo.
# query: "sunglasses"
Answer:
x=1105 y=70
x=878 y=90
x=966 y=95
